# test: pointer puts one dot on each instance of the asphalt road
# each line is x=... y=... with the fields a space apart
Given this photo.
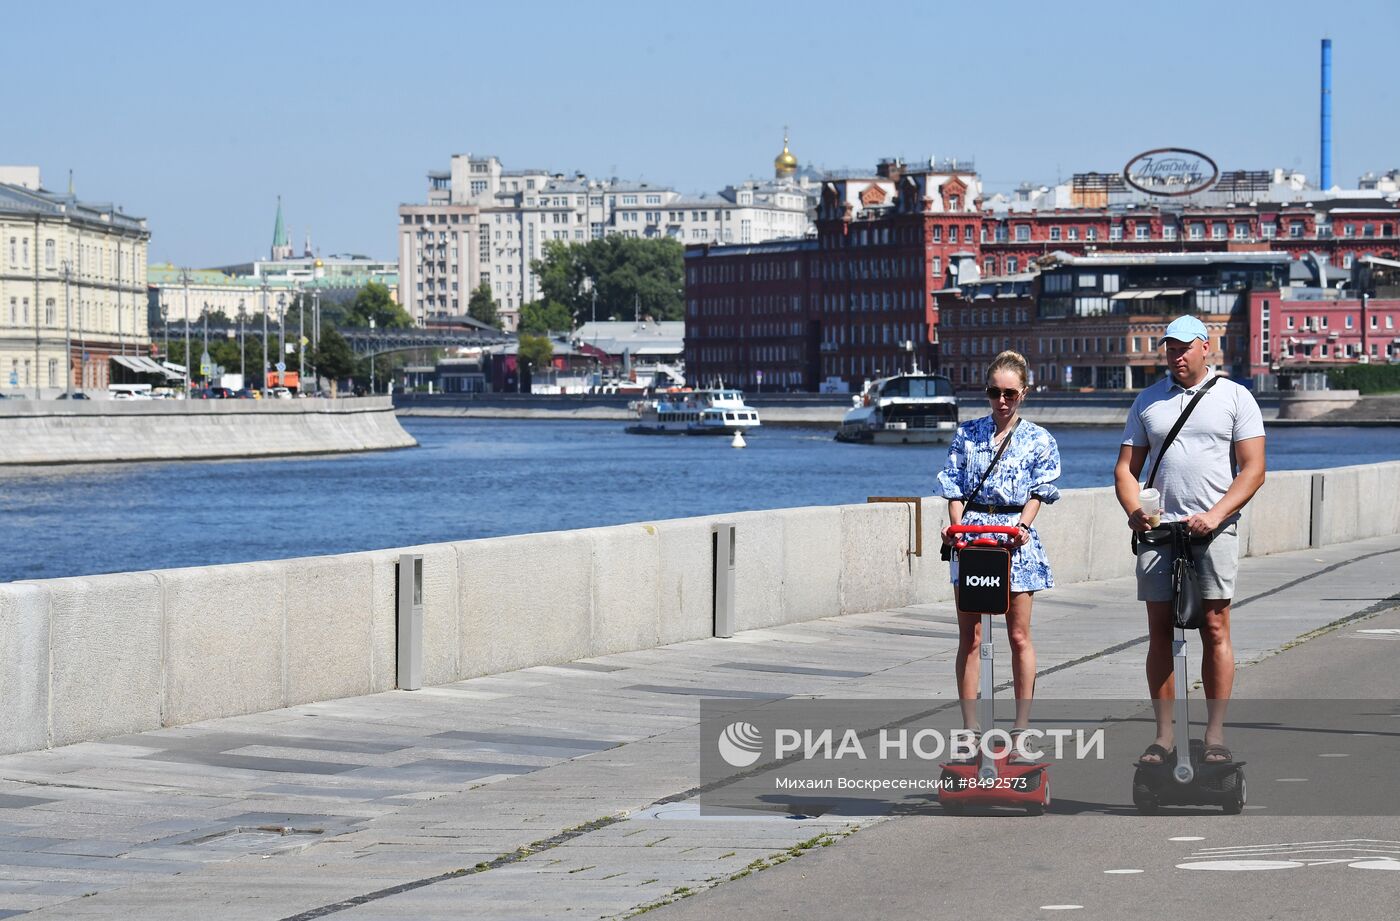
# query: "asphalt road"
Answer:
x=1113 y=864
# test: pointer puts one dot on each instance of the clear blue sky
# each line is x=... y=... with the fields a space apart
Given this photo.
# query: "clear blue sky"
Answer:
x=197 y=115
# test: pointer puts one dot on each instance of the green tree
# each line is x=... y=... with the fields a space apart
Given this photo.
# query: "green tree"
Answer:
x=542 y=317
x=534 y=352
x=333 y=359
x=484 y=308
x=373 y=302
x=630 y=275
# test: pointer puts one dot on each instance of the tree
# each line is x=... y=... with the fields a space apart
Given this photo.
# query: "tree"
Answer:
x=533 y=353
x=373 y=302
x=543 y=317
x=333 y=358
x=630 y=275
x=481 y=306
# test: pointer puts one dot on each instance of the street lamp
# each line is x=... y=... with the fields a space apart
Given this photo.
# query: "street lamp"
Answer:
x=371 y=356
x=262 y=386
x=242 y=356
x=281 y=336
x=185 y=277
x=202 y=373
x=301 y=340
x=67 y=333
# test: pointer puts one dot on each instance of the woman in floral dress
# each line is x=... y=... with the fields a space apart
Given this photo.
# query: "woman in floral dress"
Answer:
x=1021 y=482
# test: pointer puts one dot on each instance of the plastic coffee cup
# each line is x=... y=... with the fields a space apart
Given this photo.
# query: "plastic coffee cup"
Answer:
x=1151 y=502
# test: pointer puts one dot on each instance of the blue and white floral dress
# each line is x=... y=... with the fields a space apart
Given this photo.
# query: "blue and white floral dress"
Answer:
x=1027 y=469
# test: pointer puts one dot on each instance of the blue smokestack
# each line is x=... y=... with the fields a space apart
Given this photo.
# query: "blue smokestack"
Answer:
x=1326 y=113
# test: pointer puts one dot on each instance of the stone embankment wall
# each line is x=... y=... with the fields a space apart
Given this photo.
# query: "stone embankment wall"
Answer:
x=93 y=657
x=804 y=409
x=94 y=431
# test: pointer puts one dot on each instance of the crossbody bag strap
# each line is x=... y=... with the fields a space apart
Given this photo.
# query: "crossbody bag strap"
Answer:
x=992 y=466
x=1180 y=421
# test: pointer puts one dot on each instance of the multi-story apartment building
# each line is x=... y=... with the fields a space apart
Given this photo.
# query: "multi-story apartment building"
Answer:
x=70 y=271
x=486 y=224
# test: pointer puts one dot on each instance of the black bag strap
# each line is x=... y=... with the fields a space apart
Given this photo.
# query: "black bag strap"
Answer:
x=992 y=466
x=1180 y=421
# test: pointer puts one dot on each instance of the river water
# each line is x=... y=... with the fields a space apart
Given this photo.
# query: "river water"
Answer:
x=484 y=477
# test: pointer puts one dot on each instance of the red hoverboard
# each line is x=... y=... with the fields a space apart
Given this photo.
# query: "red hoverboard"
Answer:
x=990 y=778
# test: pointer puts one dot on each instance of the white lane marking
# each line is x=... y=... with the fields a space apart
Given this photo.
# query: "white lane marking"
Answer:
x=1122 y=871
x=1250 y=847
x=1383 y=863
x=1060 y=907
x=1334 y=755
x=1188 y=838
x=1232 y=865
x=1387 y=631
x=1291 y=779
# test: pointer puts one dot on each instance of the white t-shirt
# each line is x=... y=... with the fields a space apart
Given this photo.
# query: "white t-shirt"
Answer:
x=1198 y=467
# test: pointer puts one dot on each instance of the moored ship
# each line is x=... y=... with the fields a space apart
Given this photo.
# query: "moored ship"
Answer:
x=904 y=409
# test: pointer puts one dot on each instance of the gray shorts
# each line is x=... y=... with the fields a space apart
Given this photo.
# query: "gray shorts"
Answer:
x=1217 y=564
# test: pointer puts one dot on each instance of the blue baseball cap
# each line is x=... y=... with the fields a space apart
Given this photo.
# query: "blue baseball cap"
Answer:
x=1184 y=329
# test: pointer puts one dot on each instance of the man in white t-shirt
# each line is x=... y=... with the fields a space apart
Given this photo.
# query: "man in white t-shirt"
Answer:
x=1200 y=486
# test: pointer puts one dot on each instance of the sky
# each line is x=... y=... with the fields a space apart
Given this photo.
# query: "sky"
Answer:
x=197 y=116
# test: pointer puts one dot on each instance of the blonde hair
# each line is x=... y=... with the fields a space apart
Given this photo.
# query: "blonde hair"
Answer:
x=1010 y=361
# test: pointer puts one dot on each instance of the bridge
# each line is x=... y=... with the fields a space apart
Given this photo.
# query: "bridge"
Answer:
x=363 y=342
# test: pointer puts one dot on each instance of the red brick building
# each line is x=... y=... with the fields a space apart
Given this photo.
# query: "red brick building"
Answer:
x=850 y=304
x=859 y=299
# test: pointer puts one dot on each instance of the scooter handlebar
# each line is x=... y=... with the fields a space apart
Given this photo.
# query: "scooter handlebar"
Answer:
x=984 y=529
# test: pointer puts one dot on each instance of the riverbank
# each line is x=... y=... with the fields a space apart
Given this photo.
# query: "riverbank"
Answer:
x=104 y=431
x=822 y=410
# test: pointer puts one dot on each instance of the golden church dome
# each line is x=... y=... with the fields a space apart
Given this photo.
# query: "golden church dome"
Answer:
x=784 y=164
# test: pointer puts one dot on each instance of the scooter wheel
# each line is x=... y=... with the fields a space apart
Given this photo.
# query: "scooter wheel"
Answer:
x=1234 y=805
x=1145 y=799
x=1039 y=807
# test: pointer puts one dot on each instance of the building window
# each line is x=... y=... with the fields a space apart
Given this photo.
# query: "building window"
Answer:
x=1268 y=230
x=50 y=254
x=1197 y=231
x=1091 y=233
x=1168 y=231
x=1142 y=231
x=1023 y=233
x=1349 y=230
x=1074 y=233
x=50 y=312
x=1241 y=231
x=1115 y=232
x=1054 y=233
x=1295 y=230
x=1012 y=264
x=1217 y=231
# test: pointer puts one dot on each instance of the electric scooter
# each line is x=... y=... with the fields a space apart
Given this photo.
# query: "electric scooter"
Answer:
x=1186 y=778
x=989 y=779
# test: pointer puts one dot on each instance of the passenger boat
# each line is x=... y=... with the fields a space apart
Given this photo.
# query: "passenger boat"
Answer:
x=904 y=409
x=684 y=411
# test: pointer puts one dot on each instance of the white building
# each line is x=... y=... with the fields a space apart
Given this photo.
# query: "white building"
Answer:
x=69 y=271
x=486 y=224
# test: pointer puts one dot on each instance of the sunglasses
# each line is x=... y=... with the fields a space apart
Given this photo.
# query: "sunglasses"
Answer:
x=1011 y=396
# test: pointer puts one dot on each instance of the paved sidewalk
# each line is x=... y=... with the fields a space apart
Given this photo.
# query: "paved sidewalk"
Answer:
x=551 y=792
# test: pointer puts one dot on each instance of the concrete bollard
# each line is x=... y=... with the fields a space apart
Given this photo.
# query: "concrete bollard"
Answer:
x=722 y=541
x=410 y=622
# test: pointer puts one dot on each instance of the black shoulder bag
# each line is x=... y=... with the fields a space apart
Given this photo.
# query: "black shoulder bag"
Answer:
x=946 y=553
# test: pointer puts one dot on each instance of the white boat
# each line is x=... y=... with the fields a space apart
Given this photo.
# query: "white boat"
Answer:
x=693 y=412
x=904 y=409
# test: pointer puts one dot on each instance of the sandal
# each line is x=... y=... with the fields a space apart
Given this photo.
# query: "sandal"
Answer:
x=1157 y=752
x=1216 y=754
x=1015 y=756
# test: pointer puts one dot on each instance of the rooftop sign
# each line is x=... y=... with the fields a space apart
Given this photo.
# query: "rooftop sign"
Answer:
x=1171 y=172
